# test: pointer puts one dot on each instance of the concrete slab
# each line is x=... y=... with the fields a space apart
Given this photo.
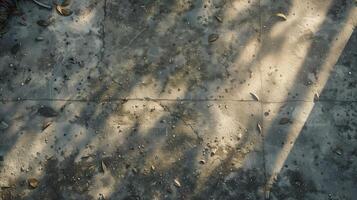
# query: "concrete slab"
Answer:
x=54 y=60
x=301 y=47
x=180 y=100
x=191 y=50
x=311 y=150
x=147 y=149
x=342 y=82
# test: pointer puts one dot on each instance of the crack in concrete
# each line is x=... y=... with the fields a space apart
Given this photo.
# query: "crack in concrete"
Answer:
x=103 y=32
x=200 y=139
x=266 y=192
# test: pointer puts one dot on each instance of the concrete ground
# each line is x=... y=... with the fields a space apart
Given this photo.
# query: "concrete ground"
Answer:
x=185 y=99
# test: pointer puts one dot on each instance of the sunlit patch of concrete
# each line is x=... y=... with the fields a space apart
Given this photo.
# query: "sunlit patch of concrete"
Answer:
x=303 y=112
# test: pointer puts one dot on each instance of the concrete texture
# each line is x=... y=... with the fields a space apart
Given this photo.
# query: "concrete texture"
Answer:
x=219 y=99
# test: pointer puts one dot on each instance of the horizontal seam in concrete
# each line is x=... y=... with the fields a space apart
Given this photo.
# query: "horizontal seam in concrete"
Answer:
x=178 y=100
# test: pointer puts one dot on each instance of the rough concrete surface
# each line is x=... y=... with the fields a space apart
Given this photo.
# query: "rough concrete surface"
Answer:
x=185 y=99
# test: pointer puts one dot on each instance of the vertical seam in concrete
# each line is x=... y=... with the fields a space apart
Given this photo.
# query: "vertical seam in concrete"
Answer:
x=266 y=196
x=102 y=54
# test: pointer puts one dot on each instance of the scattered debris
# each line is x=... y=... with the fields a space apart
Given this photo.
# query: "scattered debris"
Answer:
x=33 y=183
x=46 y=111
x=104 y=167
x=39 y=39
x=45 y=125
x=63 y=11
x=101 y=197
x=281 y=16
x=259 y=128
x=213 y=37
x=3 y=125
x=177 y=183
x=42 y=4
x=316 y=97
x=255 y=97
x=338 y=151
x=218 y=18
x=43 y=23
x=239 y=136
x=284 y=121
x=213 y=151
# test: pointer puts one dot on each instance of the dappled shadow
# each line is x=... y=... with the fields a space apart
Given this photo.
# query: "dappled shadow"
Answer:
x=155 y=110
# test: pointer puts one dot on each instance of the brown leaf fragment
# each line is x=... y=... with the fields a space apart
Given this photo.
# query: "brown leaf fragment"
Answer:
x=259 y=128
x=42 y=4
x=104 y=167
x=43 y=23
x=63 y=11
x=316 y=97
x=45 y=125
x=255 y=97
x=218 y=18
x=281 y=16
x=284 y=120
x=33 y=183
x=338 y=151
x=213 y=37
x=177 y=182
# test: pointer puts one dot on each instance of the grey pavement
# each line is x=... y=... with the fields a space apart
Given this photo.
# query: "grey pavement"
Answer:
x=203 y=99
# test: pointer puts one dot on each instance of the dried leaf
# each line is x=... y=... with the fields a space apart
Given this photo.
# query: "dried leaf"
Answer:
x=255 y=97
x=213 y=151
x=47 y=111
x=281 y=16
x=104 y=167
x=177 y=183
x=259 y=128
x=152 y=167
x=202 y=162
x=43 y=23
x=316 y=97
x=338 y=151
x=46 y=125
x=63 y=11
x=213 y=37
x=33 y=182
x=39 y=39
x=42 y=4
x=284 y=120
x=218 y=18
